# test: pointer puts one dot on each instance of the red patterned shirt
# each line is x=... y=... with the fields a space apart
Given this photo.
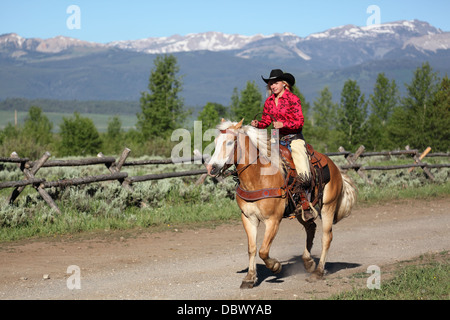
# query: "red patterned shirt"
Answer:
x=288 y=111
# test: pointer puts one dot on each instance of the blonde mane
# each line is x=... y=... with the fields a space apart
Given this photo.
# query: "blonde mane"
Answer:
x=260 y=138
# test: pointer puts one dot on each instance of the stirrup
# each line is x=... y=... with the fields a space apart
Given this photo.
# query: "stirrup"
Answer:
x=315 y=213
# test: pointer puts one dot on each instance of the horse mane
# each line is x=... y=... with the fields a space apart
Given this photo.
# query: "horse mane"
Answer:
x=260 y=138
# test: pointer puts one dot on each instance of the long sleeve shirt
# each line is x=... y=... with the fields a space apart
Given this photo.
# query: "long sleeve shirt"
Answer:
x=288 y=111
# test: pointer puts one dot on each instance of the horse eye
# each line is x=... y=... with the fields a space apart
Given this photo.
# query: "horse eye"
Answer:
x=229 y=143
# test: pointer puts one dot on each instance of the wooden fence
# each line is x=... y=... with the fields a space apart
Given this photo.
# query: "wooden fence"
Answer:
x=30 y=168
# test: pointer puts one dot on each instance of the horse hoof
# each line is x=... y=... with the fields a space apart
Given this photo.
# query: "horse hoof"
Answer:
x=310 y=265
x=277 y=268
x=247 y=284
x=315 y=276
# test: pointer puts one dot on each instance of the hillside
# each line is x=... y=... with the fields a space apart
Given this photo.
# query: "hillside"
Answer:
x=213 y=63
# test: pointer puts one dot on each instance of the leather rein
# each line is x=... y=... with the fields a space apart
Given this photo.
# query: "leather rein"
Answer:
x=235 y=172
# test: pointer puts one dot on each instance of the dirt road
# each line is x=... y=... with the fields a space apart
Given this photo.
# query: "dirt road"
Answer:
x=210 y=263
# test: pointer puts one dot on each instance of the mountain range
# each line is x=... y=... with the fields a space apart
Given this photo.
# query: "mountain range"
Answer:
x=213 y=64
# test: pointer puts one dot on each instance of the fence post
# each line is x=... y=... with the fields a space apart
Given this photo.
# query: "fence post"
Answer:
x=351 y=159
x=24 y=168
x=29 y=174
x=116 y=167
x=418 y=160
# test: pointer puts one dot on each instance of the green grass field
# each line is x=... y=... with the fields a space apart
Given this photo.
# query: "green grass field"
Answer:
x=100 y=120
x=424 y=278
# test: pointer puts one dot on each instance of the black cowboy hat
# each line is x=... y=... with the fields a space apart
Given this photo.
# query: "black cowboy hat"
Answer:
x=277 y=74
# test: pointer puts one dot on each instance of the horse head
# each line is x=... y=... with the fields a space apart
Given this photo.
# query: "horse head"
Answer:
x=225 y=148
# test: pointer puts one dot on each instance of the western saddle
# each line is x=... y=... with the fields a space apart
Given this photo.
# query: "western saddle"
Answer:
x=304 y=202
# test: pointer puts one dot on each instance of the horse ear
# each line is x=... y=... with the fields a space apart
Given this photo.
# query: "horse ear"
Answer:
x=239 y=125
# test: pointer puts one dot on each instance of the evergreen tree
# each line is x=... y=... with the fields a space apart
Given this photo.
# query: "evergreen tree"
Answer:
x=324 y=118
x=114 y=137
x=30 y=140
x=162 y=108
x=437 y=131
x=79 y=136
x=114 y=129
x=210 y=118
x=352 y=114
x=382 y=103
x=234 y=103
x=410 y=122
x=38 y=127
x=250 y=102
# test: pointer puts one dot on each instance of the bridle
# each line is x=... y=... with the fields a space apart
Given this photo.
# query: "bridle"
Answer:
x=223 y=172
x=235 y=172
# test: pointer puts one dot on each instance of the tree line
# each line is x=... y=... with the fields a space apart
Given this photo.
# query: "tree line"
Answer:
x=69 y=106
x=382 y=121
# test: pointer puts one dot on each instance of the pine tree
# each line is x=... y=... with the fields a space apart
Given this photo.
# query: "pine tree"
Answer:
x=162 y=108
x=437 y=130
x=411 y=121
x=234 y=103
x=352 y=114
x=382 y=103
x=114 y=137
x=324 y=118
x=250 y=102
x=210 y=118
x=79 y=136
x=38 y=127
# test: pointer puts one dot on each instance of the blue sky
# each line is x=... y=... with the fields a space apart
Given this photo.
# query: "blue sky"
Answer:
x=110 y=20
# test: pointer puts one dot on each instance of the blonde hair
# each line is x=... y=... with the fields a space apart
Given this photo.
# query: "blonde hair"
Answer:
x=286 y=85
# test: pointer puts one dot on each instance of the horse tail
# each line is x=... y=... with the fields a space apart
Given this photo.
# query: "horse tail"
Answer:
x=347 y=199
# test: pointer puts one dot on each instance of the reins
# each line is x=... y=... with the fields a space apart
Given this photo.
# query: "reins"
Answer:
x=267 y=114
x=236 y=172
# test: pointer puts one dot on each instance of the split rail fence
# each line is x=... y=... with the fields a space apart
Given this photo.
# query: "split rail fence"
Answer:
x=30 y=169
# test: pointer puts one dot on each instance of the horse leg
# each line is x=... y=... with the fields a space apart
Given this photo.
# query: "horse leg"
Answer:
x=327 y=237
x=251 y=228
x=272 y=226
x=310 y=228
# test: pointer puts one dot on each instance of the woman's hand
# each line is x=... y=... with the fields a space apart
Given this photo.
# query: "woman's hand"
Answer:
x=278 y=125
x=254 y=123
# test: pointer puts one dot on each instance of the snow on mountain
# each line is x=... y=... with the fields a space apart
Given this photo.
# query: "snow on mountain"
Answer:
x=347 y=42
x=18 y=45
x=212 y=41
x=430 y=42
x=119 y=70
x=373 y=41
x=398 y=29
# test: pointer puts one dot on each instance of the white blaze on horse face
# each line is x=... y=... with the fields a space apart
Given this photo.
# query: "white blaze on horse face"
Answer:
x=224 y=149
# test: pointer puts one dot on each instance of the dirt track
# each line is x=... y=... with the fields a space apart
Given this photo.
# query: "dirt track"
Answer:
x=210 y=263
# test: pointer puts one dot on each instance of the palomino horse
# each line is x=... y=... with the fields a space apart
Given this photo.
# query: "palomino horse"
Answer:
x=246 y=147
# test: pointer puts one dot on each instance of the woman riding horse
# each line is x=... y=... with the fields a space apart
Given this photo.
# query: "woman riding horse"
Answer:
x=240 y=145
x=285 y=107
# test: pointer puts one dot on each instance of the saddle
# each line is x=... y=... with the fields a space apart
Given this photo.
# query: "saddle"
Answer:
x=304 y=200
x=300 y=201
